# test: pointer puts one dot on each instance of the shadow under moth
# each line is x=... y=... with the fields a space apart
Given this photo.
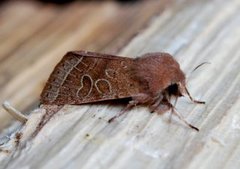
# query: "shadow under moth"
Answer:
x=87 y=77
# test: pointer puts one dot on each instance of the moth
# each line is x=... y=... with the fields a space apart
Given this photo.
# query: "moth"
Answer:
x=87 y=77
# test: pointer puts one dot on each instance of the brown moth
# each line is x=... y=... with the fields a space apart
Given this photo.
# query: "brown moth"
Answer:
x=87 y=77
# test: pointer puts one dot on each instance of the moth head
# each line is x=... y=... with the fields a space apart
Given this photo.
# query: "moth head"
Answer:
x=177 y=83
x=179 y=89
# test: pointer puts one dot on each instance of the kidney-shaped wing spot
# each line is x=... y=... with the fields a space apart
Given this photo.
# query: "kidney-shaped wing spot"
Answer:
x=103 y=86
x=86 y=86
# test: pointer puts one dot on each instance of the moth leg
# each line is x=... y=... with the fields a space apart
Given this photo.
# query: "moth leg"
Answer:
x=130 y=105
x=165 y=106
x=156 y=103
x=174 y=105
x=182 y=118
x=193 y=100
x=143 y=98
x=162 y=108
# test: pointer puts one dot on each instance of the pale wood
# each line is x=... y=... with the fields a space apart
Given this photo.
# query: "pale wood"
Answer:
x=80 y=137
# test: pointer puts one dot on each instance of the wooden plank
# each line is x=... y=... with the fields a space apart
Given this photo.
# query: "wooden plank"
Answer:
x=79 y=136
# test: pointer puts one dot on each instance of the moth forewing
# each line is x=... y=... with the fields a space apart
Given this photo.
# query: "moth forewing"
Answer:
x=83 y=77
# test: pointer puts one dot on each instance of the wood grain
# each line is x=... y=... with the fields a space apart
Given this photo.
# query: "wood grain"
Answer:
x=80 y=137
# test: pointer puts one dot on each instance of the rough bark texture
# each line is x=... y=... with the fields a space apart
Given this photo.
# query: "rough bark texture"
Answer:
x=33 y=41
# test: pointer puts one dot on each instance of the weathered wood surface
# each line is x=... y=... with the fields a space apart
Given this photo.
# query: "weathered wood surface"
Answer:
x=80 y=137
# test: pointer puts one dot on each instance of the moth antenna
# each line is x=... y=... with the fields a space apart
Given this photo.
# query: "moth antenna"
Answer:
x=198 y=66
x=201 y=64
x=15 y=113
x=193 y=100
